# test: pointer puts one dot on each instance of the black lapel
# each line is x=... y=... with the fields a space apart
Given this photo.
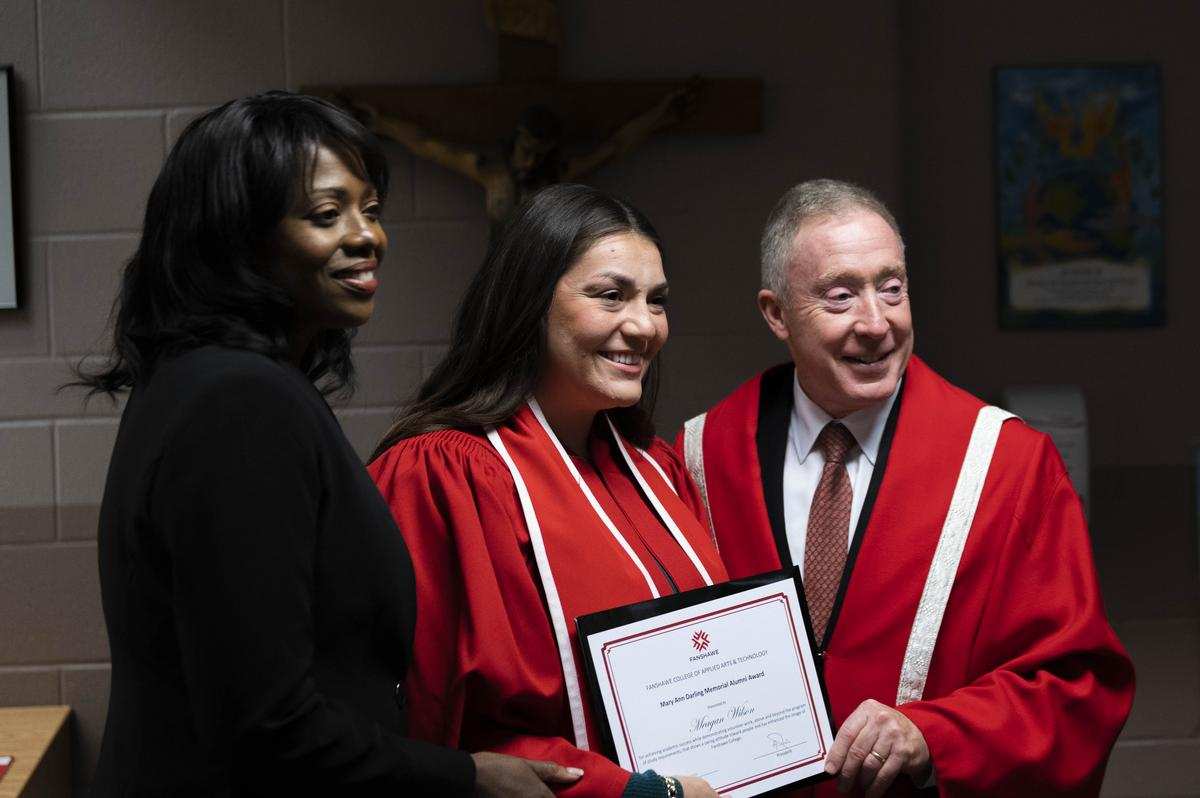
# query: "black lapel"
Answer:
x=864 y=517
x=775 y=399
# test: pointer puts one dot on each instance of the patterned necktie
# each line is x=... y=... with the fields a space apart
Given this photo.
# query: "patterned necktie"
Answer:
x=828 y=527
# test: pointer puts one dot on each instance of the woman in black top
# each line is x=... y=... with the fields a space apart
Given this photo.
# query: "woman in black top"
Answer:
x=258 y=597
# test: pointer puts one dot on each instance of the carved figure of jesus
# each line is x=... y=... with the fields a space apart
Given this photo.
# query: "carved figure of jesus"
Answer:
x=532 y=157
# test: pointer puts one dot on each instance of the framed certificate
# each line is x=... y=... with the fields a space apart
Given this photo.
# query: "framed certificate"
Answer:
x=719 y=682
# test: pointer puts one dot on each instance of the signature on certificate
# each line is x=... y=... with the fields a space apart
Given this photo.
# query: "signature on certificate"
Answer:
x=741 y=710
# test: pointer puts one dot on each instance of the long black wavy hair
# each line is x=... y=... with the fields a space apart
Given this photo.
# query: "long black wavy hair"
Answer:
x=198 y=276
x=498 y=341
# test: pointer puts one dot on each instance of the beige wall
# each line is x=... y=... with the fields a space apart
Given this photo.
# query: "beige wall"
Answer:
x=104 y=87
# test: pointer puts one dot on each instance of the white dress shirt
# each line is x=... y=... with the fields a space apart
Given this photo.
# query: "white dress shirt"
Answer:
x=803 y=463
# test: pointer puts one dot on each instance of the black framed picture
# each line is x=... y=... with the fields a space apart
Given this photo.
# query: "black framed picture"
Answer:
x=8 y=237
x=1078 y=162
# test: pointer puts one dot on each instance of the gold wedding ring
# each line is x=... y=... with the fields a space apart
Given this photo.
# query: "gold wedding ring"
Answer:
x=881 y=759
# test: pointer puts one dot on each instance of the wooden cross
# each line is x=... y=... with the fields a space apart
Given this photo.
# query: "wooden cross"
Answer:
x=448 y=124
x=484 y=114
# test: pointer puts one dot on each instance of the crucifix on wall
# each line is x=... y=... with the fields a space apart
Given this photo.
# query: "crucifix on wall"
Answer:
x=530 y=130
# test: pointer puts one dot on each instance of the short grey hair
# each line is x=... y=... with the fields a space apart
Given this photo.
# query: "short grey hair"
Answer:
x=808 y=200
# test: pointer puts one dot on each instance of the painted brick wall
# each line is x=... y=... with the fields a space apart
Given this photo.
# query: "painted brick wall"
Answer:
x=890 y=94
x=103 y=88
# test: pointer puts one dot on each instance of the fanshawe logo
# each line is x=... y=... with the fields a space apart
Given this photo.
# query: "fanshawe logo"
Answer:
x=700 y=640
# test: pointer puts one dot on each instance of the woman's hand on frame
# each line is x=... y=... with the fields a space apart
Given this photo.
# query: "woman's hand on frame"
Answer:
x=502 y=776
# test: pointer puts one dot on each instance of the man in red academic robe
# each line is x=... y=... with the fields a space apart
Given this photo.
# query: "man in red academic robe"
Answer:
x=846 y=462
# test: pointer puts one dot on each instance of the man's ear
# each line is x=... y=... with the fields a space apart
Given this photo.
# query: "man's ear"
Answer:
x=772 y=311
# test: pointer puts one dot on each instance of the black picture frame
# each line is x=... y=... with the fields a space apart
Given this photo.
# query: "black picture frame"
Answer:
x=1078 y=170
x=588 y=625
x=9 y=296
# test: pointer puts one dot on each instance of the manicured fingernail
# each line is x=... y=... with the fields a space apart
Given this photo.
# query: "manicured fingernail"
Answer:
x=830 y=769
x=576 y=772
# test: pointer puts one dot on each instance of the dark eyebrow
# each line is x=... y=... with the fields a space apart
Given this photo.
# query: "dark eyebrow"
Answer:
x=335 y=191
x=624 y=282
x=339 y=193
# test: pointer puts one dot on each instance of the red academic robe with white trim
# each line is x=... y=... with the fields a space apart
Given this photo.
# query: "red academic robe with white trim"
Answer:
x=486 y=673
x=1028 y=686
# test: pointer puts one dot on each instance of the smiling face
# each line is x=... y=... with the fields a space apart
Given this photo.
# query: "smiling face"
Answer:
x=606 y=322
x=327 y=249
x=845 y=317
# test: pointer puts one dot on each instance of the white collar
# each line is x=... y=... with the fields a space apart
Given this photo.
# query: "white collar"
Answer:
x=865 y=425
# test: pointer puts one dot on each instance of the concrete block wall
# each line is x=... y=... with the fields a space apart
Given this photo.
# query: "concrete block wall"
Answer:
x=871 y=92
x=1144 y=538
x=104 y=88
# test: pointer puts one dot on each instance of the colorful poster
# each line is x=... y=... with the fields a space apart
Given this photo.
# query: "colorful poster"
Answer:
x=1079 y=205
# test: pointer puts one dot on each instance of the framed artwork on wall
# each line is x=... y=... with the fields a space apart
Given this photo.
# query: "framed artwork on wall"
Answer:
x=8 y=238
x=1079 y=203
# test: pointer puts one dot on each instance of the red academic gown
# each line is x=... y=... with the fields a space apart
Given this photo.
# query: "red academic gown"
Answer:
x=486 y=673
x=1028 y=686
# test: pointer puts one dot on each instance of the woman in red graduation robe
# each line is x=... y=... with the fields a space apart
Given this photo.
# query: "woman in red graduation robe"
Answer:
x=531 y=490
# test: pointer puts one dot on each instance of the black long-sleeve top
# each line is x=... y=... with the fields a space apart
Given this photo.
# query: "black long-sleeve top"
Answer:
x=258 y=597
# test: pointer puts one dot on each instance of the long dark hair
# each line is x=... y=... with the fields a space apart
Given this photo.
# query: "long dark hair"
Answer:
x=499 y=334
x=197 y=277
